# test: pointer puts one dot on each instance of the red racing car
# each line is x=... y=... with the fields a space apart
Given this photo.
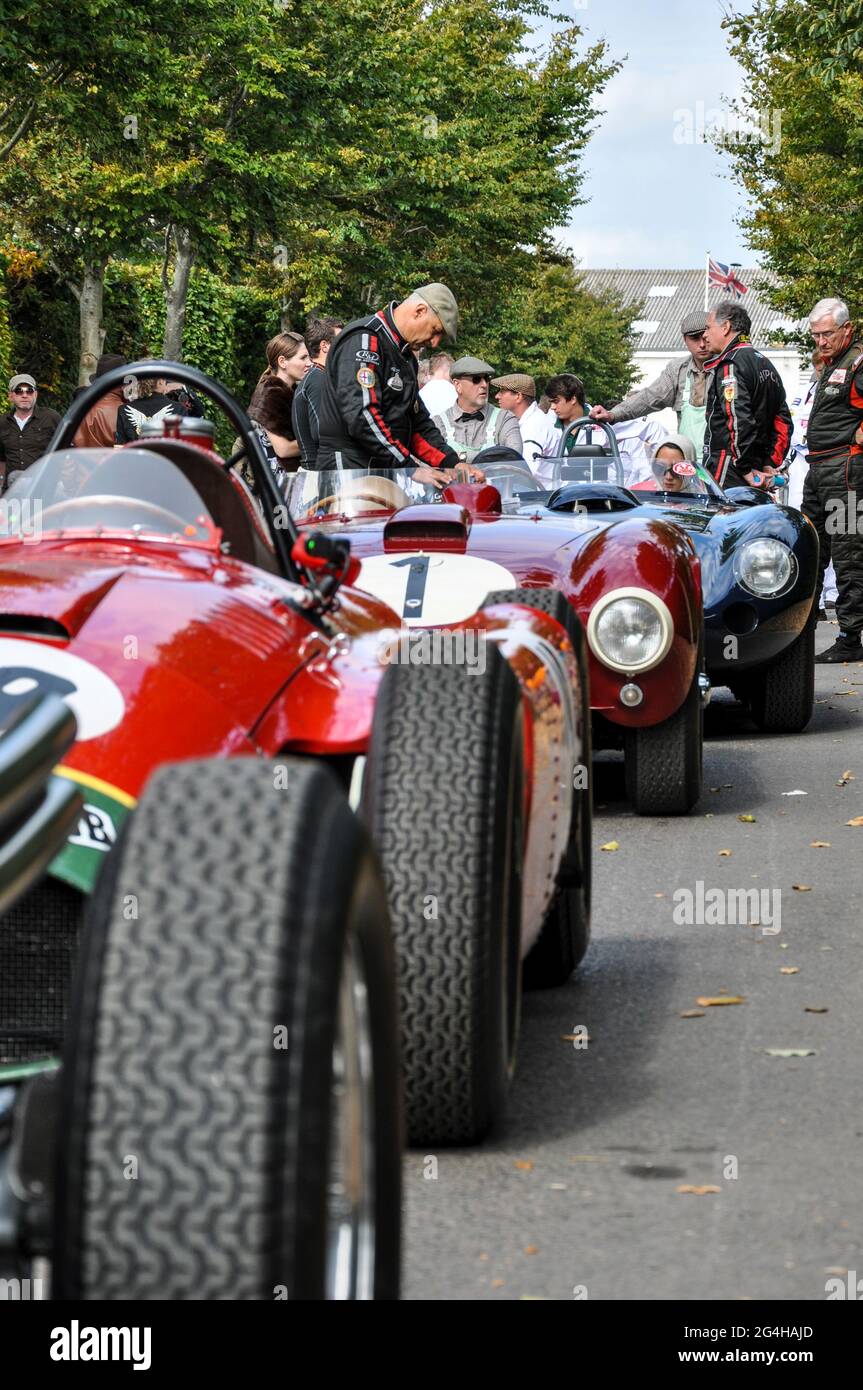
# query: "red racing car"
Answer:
x=182 y=621
x=436 y=556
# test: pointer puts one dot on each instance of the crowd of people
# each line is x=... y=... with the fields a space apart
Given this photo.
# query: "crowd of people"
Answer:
x=381 y=392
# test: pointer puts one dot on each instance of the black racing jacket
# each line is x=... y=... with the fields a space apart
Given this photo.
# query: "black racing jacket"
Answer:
x=837 y=407
x=748 y=421
x=371 y=415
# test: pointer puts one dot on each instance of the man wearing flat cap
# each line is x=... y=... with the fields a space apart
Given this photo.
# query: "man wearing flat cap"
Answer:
x=681 y=385
x=26 y=431
x=472 y=424
x=371 y=414
x=539 y=435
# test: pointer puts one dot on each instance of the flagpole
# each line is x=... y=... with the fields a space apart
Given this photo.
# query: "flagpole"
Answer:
x=706 y=278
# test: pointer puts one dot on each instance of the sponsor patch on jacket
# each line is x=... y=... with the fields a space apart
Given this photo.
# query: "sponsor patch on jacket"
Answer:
x=729 y=393
x=366 y=355
x=366 y=378
x=839 y=374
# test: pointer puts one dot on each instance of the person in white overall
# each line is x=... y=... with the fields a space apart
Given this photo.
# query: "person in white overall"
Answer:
x=472 y=424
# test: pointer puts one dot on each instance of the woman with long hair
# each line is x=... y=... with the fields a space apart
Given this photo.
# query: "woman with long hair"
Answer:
x=271 y=405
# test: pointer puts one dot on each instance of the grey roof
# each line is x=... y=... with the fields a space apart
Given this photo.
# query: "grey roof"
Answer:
x=683 y=292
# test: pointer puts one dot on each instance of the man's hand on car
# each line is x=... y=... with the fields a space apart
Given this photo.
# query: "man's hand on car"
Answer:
x=438 y=476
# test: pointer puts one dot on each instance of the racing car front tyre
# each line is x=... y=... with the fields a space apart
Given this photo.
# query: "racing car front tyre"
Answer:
x=781 y=699
x=231 y=1119
x=444 y=796
x=664 y=762
x=565 y=933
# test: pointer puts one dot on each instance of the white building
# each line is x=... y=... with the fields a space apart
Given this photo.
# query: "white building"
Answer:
x=665 y=297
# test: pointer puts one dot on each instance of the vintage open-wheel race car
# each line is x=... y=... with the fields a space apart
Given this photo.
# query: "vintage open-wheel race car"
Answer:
x=237 y=926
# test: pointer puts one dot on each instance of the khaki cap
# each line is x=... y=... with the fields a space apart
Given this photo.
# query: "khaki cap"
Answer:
x=22 y=380
x=516 y=381
x=470 y=366
x=441 y=301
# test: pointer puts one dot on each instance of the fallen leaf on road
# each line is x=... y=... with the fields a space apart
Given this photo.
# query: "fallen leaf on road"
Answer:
x=726 y=786
x=747 y=820
x=789 y=970
x=725 y=854
x=845 y=778
x=531 y=1249
x=557 y=1186
x=612 y=844
x=714 y=789
x=708 y=1001
x=659 y=895
x=855 y=820
x=797 y=793
x=819 y=844
x=835 y=1269
x=576 y=1037
x=497 y=1283
x=526 y=1164
x=693 y=1013
x=698 y=1191
x=802 y=887
x=815 y=1009
x=790 y=1051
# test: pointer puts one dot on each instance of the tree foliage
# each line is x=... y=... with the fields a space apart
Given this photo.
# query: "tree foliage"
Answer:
x=326 y=157
x=805 y=196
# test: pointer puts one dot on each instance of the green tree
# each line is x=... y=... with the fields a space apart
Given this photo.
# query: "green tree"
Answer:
x=805 y=210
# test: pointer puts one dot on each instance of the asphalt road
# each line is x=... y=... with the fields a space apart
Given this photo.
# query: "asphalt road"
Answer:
x=580 y=1189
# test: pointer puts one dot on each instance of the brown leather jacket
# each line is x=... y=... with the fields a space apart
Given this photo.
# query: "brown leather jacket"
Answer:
x=99 y=426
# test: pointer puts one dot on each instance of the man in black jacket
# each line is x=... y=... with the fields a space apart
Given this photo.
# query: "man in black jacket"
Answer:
x=835 y=478
x=748 y=421
x=371 y=415
x=26 y=431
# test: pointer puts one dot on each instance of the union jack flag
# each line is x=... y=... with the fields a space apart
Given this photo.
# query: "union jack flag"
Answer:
x=725 y=278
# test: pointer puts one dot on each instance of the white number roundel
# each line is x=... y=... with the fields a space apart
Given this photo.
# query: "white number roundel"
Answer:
x=427 y=587
x=30 y=668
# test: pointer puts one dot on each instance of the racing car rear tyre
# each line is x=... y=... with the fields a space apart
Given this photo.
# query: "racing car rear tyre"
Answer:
x=444 y=796
x=781 y=699
x=664 y=762
x=565 y=933
x=230 y=1125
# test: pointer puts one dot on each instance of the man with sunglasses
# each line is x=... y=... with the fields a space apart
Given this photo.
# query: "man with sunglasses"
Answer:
x=682 y=385
x=472 y=423
x=26 y=431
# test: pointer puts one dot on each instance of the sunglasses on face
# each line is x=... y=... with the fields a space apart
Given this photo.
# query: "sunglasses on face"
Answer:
x=476 y=379
x=22 y=391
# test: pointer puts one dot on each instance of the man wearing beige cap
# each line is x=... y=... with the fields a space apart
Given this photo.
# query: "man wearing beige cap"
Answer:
x=26 y=431
x=681 y=385
x=539 y=436
x=371 y=414
x=472 y=424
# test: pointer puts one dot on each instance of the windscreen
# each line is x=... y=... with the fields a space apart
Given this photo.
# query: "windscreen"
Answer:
x=356 y=492
x=98 y=490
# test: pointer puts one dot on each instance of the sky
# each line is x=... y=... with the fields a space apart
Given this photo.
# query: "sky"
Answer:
x=656 y=196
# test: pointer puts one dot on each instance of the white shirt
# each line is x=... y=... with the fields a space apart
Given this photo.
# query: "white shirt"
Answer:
x=25 y=421
x=540 y=438
x=638 y=441
x=438 y=395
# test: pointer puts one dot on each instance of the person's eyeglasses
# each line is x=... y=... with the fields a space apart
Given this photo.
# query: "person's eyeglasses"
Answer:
x=828 y=333
x=476 y=379
x=22 y=390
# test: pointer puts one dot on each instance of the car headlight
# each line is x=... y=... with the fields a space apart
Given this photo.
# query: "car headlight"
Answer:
x=630 y=630
x=765 y=567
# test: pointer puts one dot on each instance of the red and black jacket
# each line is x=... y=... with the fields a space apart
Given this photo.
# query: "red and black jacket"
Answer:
x=748 y=421
x=371 y=413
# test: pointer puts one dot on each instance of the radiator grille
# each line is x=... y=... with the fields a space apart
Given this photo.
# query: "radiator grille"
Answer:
x=38 y=945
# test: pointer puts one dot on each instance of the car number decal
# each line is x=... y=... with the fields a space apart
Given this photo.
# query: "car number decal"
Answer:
x=29 y=668
x=426 y=588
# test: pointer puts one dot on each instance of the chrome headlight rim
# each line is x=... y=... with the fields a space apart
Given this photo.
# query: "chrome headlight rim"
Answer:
x=659 y=608
x=783 y=588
